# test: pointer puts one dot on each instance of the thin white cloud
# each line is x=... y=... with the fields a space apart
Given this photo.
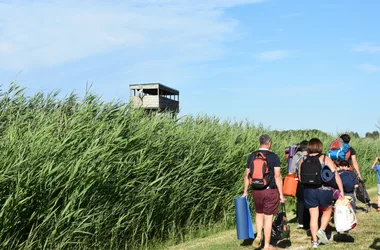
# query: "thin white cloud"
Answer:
x=367 y=47
x=273 y=55
x=370 y=67
x=47 y=33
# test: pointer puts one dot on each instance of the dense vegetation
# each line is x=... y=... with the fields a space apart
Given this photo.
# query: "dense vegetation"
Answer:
x=373 y=135
x=83 y=174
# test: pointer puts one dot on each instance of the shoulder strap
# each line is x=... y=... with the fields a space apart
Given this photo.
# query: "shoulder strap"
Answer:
x=348 y=154
x=264 y=153
x=305 y=157
x=301 y=156
x=259 y=153
x=323 y=161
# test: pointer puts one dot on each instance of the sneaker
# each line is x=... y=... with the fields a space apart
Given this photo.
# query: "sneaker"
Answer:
x=300 y=226
x=256 y=243
x=314 y=244
x=322 y=236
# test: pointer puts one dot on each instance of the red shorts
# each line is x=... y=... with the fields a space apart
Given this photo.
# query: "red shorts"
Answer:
x=266 y=201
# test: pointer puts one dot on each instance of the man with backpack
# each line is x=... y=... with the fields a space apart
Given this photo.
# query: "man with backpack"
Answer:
x=264 y=175
x=351 y=155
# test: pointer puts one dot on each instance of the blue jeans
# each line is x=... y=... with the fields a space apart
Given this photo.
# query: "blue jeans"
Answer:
x=353 y=201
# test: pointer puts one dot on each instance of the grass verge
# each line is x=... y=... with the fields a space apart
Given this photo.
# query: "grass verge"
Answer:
x=364 y=236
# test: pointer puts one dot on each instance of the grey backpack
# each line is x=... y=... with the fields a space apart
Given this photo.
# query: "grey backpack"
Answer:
x=296 y=162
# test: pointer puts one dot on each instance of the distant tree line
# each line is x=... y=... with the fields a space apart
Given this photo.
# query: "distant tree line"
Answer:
x=373 y=135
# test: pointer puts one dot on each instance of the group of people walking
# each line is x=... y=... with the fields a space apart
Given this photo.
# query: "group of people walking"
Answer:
x=314 y=199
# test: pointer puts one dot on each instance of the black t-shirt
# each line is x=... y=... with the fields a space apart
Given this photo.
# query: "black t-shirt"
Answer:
x=273 y=162
x=352 y=152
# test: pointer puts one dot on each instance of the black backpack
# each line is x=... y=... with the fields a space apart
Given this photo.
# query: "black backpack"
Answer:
x=280 y=226
x=311 y=169
x=362 y=195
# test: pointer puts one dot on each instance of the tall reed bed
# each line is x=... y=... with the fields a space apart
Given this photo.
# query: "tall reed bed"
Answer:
x=84 y=174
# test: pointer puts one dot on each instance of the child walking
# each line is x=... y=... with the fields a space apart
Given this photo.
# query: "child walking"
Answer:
x=349 y=180
x=376 y=167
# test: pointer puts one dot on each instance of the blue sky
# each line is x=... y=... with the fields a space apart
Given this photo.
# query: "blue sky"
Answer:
x=288 y=64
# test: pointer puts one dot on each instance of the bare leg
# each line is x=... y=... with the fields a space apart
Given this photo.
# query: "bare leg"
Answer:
x=378 y=201
x=267 y=229
x=314 y=213
x=326 y=216
x=259 y=225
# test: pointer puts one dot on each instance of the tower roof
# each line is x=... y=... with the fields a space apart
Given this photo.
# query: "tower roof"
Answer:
x=168 y=90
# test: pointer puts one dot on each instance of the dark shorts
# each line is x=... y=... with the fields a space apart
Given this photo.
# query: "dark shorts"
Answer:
x=266 y=201
x=315 y=197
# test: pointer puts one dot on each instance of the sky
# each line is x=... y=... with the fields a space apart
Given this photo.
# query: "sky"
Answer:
x=285 y=64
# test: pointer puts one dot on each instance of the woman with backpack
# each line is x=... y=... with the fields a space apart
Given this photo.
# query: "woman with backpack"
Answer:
x=316 y=192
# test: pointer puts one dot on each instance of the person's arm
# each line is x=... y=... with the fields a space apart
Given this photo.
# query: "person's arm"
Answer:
x=338 y=181
x=356 y=166
x=246 y=182
x=278 y=179
x=299 y=169
x=375 y=162
x=355 y=178
x=276 y=164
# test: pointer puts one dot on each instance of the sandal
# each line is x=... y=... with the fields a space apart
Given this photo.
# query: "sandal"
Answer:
x=256 y=243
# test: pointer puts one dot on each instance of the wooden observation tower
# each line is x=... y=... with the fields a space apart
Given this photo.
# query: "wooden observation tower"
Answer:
x=155 y=97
